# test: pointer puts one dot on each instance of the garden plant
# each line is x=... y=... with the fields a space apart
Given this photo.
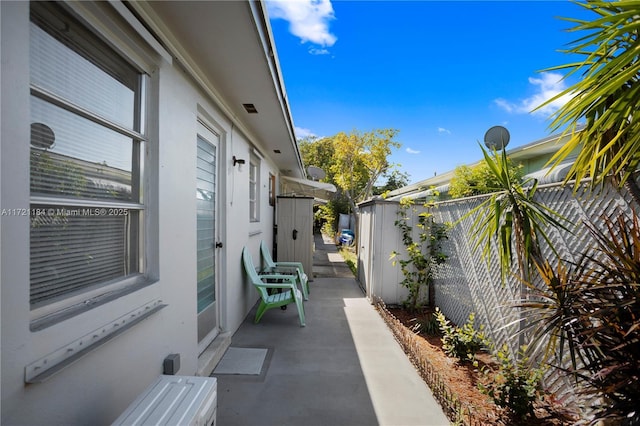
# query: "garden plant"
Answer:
x=423 y=253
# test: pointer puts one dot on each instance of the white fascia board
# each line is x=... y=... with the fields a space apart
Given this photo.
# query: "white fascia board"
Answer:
x=263 y=28
x=190 y=66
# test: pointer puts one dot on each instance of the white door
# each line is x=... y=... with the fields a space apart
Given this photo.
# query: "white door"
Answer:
x=295 y=231
x=207 y=214
x=365 y=231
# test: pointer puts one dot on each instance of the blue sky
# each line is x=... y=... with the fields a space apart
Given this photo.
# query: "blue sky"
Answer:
x=442 y=73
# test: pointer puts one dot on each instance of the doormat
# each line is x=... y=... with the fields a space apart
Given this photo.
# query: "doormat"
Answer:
x=242 y=361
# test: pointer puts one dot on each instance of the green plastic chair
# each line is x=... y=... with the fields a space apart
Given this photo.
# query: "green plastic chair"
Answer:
x=291 y=293
x=284 y=268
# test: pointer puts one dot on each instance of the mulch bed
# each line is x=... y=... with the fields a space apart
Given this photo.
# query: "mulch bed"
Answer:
x=455 y=384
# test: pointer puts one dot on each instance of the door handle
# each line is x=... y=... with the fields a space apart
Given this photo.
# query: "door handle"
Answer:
x=295 y=234
x=218 y=244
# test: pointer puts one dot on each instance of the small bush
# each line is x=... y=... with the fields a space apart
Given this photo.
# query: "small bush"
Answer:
x=427 y=325
x=461 y=342
x=513 y=386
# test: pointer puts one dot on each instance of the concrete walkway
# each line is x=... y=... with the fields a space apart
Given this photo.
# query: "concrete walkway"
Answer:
x=343 y=368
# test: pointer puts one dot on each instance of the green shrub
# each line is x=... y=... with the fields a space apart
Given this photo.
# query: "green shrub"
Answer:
x=590 y=311
x=427 y=325
x=479 y=179
x=461 y=342
x=513 y=386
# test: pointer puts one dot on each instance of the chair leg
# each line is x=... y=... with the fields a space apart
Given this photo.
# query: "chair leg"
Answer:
x=260 y=312
x=300 y=306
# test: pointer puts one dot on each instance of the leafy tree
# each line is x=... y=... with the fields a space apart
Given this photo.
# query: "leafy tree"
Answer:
x=607 y=95
x=319 y=153
x=463 y=182
x=395 y=179
x=468 y=181
x=359 y=160
x=353 y=163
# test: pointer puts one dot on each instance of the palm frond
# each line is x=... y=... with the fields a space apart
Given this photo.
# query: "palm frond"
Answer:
x=606 y=96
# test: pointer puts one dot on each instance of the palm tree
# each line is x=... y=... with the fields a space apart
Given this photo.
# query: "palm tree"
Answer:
x=593 y=308
x=512 y=219
x=606 y=98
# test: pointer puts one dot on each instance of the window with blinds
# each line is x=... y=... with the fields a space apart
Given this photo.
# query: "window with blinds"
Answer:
x=86 y=160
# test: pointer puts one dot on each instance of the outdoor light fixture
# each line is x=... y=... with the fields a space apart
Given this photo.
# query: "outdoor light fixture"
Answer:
x=237 y=161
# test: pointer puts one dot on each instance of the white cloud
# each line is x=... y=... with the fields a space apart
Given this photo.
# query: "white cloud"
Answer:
x=318 y=51
x=308 y=19
x=547 y=86
x=301 y=133
x=443 y=130
x=505 y=105
x=412 y=151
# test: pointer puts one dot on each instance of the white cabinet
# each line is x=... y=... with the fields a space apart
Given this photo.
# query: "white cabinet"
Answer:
x=294 y=216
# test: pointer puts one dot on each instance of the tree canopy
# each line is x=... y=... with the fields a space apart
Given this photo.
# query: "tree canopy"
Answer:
x=360 y=159
x=354 y=162
x=475 y=180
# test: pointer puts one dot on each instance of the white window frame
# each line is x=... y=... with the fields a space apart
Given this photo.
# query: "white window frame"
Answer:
x=49 y=312
x=254 y=188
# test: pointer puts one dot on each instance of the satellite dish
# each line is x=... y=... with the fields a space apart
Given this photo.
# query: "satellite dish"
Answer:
x=315 y=173
x=496 y=138
x=42 y=136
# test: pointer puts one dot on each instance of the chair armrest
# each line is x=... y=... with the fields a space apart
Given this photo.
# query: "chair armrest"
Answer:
x=288 y=286
x=290 y=278
x=290 y=264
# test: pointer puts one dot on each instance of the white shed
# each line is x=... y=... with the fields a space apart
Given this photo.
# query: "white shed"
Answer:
x=378 y=238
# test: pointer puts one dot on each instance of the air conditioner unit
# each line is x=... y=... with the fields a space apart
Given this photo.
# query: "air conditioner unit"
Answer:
x=174 y=400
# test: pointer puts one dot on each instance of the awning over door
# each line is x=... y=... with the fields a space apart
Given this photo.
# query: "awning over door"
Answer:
x=321 y=191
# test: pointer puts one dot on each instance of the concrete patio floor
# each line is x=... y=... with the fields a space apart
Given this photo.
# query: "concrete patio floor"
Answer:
x=343 y=368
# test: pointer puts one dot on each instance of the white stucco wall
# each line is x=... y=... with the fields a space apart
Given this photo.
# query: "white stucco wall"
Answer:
x=100 y=385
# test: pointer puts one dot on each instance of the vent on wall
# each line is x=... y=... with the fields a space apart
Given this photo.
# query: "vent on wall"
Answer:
x=250 y=108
